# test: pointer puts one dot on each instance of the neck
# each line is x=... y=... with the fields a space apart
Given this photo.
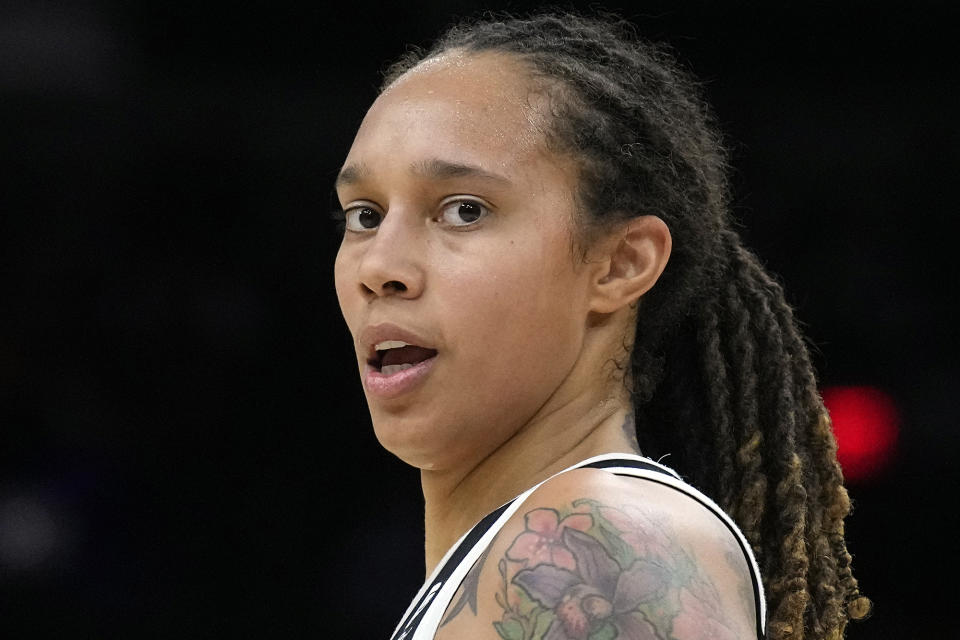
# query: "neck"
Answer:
x=455 y=499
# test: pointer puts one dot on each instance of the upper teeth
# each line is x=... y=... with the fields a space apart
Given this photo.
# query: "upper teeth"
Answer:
x=390 y=344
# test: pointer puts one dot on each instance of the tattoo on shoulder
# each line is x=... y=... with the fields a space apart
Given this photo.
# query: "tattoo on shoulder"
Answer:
x=596 y=572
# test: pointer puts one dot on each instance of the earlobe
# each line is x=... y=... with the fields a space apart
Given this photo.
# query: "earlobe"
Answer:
x=635 y=256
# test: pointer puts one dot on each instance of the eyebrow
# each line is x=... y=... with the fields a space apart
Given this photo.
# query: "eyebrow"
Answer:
x=433 y=168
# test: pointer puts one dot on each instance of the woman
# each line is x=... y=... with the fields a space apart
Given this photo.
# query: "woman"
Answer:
x=541 y=280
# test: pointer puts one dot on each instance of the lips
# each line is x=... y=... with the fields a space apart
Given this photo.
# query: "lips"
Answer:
x=397 y=359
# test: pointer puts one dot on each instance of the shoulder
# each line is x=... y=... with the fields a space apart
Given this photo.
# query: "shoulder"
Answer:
x=594 y=556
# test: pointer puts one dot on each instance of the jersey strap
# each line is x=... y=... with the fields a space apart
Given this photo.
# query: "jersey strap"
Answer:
x=455 y=558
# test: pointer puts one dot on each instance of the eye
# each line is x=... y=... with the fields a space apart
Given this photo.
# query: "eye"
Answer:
x=462 y=213
x=362 y=219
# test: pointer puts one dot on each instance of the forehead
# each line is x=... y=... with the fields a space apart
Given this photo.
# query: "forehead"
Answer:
x=476 y=109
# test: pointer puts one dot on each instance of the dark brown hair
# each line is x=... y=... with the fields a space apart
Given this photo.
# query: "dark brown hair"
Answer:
x=721 y=376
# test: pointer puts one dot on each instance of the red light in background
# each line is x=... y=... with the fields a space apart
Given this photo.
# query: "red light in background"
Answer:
x=865 y=422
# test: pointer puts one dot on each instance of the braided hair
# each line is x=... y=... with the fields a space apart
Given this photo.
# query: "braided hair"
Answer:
x=719 y=374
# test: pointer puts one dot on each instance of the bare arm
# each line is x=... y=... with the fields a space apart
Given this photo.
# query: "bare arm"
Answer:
x=594 y=557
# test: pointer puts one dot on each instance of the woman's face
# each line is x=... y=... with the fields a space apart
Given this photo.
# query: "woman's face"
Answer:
x=458 y=241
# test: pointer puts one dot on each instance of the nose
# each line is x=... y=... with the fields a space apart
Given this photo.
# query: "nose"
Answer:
x=391 y=264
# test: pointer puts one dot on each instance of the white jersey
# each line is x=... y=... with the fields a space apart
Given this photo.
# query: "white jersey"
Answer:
x=423 y=616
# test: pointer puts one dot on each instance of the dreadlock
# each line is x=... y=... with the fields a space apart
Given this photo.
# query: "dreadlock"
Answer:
x=720 y=375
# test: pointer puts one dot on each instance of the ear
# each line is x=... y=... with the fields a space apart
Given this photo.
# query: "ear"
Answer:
x=630 y=261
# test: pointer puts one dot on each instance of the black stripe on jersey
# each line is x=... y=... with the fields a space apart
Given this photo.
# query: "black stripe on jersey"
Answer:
x=636 y=464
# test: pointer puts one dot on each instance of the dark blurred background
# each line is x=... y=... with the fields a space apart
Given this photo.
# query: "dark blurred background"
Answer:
x=184 y=448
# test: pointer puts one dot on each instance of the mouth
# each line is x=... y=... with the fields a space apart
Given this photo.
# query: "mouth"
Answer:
x=393 y=356
x=397 y=362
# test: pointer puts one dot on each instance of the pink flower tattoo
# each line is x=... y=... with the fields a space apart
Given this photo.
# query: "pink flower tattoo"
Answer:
x=542 y=540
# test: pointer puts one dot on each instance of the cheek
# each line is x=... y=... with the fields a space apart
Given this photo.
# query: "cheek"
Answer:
x=517 y=309
x=345 y=283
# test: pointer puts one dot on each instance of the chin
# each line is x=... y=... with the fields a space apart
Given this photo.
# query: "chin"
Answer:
x=425 y=460
x=416 y=443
